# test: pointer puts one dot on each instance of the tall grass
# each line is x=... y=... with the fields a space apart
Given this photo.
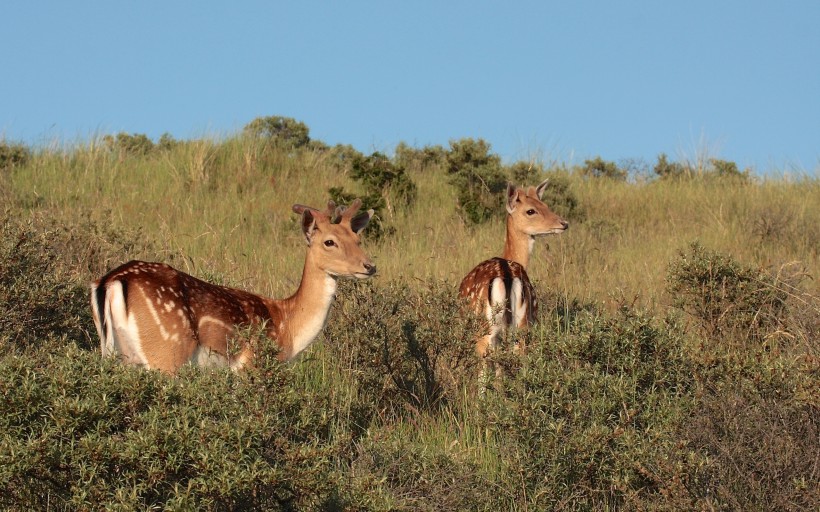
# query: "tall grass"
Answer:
x=675 y=364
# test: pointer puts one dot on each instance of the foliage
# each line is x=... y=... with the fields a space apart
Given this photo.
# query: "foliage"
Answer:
x=410 y=349
x=86 y=434
x=387 y=187
x=425 y=158
x=714 y=168
x=600 y=168
x=342 y=156
x=126 y=144
x=618 y=404
x=413 y=476
x=670 y=170
x=379 y=175
x=479 y=178
x=281 y=132
x=728 y=170
x=13 y=155
x=586 y=422
x=725 y=297
x=32 y=284
x=525 y=173
x=167 y=142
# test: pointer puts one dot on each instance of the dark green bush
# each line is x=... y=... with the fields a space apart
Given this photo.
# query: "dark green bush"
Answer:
x=38 y=295
x=728 y=170
x=726 y=298
x=82 y=433
x=342 y=156
x=479 y=179
x=670 y=170
x=586 y=422
x=420 y=159
x=411 y=350
x=600 y=168
x=126 y=144
x=13 y=155
x=379 y=175
x=387 y=188
x=281 y=132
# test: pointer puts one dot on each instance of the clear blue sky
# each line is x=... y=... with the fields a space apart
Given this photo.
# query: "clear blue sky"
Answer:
x=566 y=81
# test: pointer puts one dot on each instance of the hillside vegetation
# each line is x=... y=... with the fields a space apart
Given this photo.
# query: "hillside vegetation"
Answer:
x=675 y=365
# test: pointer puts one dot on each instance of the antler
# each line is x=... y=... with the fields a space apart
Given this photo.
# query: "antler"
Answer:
x=330 y=212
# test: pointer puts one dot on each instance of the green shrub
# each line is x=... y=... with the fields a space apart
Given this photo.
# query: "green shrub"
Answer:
x=586 y=422
x=126 y=144
x=13 y=155
x=479 y=179
x=727 y=299
x=424 y=158
x=600 y=168
x=411 y=350
x=670 y=170
x=379 y=175
x=728 y=170
x=387 y=188
x=281 y=132
x=38 y=295
x=342 y=156
x=86 y=434
x=411 y=476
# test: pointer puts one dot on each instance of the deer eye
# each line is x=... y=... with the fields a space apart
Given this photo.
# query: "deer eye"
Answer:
x=531 y=211
x=329 y=243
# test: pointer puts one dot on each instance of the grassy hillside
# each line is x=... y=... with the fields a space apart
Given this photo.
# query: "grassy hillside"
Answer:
x=675 y=365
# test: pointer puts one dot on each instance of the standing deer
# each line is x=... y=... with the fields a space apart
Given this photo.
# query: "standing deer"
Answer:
x=153 y=315
x=499 y=288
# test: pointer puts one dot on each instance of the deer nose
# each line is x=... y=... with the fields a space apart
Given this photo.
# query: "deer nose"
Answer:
x=370 y=268
x=565 y=224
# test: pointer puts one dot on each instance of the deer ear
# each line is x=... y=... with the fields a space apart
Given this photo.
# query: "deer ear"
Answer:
x=541 y=188
x=512 y=197
x=308 y=225
x=360 y=221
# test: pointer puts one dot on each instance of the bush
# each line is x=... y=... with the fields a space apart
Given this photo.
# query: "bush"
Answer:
x=13 y=155
x=387 y=187
x=411 y=351
x=342 y=156
x=729 y=301
x=600 y=168
x=38 y=296
x=379 y=175
x=412 y=476
x=424 y=158
x=478 y=176
x=84 y=434
x=586 y=422
x=281 y=132
x=125 y=144
x=728 y=170
x=670 y=170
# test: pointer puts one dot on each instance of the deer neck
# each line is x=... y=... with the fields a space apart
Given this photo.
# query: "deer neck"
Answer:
x=518 y=245
x=305 y=312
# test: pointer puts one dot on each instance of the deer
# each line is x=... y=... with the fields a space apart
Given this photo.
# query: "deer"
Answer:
x=499 y=289
x=155 y=316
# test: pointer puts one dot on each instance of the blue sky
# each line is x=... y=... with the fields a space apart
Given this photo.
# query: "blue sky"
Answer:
x=565 y=81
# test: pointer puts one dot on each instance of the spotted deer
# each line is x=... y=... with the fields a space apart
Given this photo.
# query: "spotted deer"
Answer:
x=499 y=289
x=153 y=315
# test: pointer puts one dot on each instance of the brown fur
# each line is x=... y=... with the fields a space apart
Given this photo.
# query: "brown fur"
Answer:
x=153 y=314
